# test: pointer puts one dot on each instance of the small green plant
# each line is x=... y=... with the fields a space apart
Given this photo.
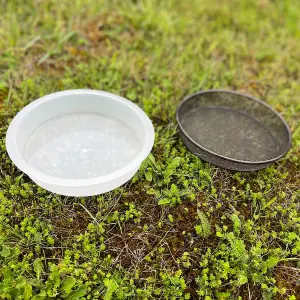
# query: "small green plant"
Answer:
x=203 y=229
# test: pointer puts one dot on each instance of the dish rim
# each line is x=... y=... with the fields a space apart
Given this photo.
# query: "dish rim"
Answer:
x=248 y=97
x=19 y=160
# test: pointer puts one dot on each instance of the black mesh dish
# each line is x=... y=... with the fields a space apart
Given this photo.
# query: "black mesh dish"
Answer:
x=232 y=130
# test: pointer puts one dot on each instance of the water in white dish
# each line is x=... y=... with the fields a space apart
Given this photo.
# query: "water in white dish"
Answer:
x=81 y=145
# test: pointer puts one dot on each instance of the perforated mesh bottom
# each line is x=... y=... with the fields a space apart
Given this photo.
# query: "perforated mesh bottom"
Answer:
x=230 y=133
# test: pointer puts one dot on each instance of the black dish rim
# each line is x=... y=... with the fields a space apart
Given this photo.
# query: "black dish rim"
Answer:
x=248 y=97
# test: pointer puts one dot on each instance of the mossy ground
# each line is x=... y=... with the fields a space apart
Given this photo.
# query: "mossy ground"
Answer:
x=181 y=228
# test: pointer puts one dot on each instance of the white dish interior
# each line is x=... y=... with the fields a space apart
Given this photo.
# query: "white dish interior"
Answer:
x=80 y=142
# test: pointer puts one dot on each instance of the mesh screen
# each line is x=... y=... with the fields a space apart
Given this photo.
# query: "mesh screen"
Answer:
x=234 y=126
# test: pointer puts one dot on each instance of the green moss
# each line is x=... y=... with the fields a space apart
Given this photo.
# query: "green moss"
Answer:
x=181 y=228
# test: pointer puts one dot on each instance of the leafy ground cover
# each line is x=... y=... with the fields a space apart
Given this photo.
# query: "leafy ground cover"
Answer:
x=181 y=229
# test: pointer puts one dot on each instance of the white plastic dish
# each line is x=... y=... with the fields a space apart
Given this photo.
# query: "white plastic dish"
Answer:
x=80 y=142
